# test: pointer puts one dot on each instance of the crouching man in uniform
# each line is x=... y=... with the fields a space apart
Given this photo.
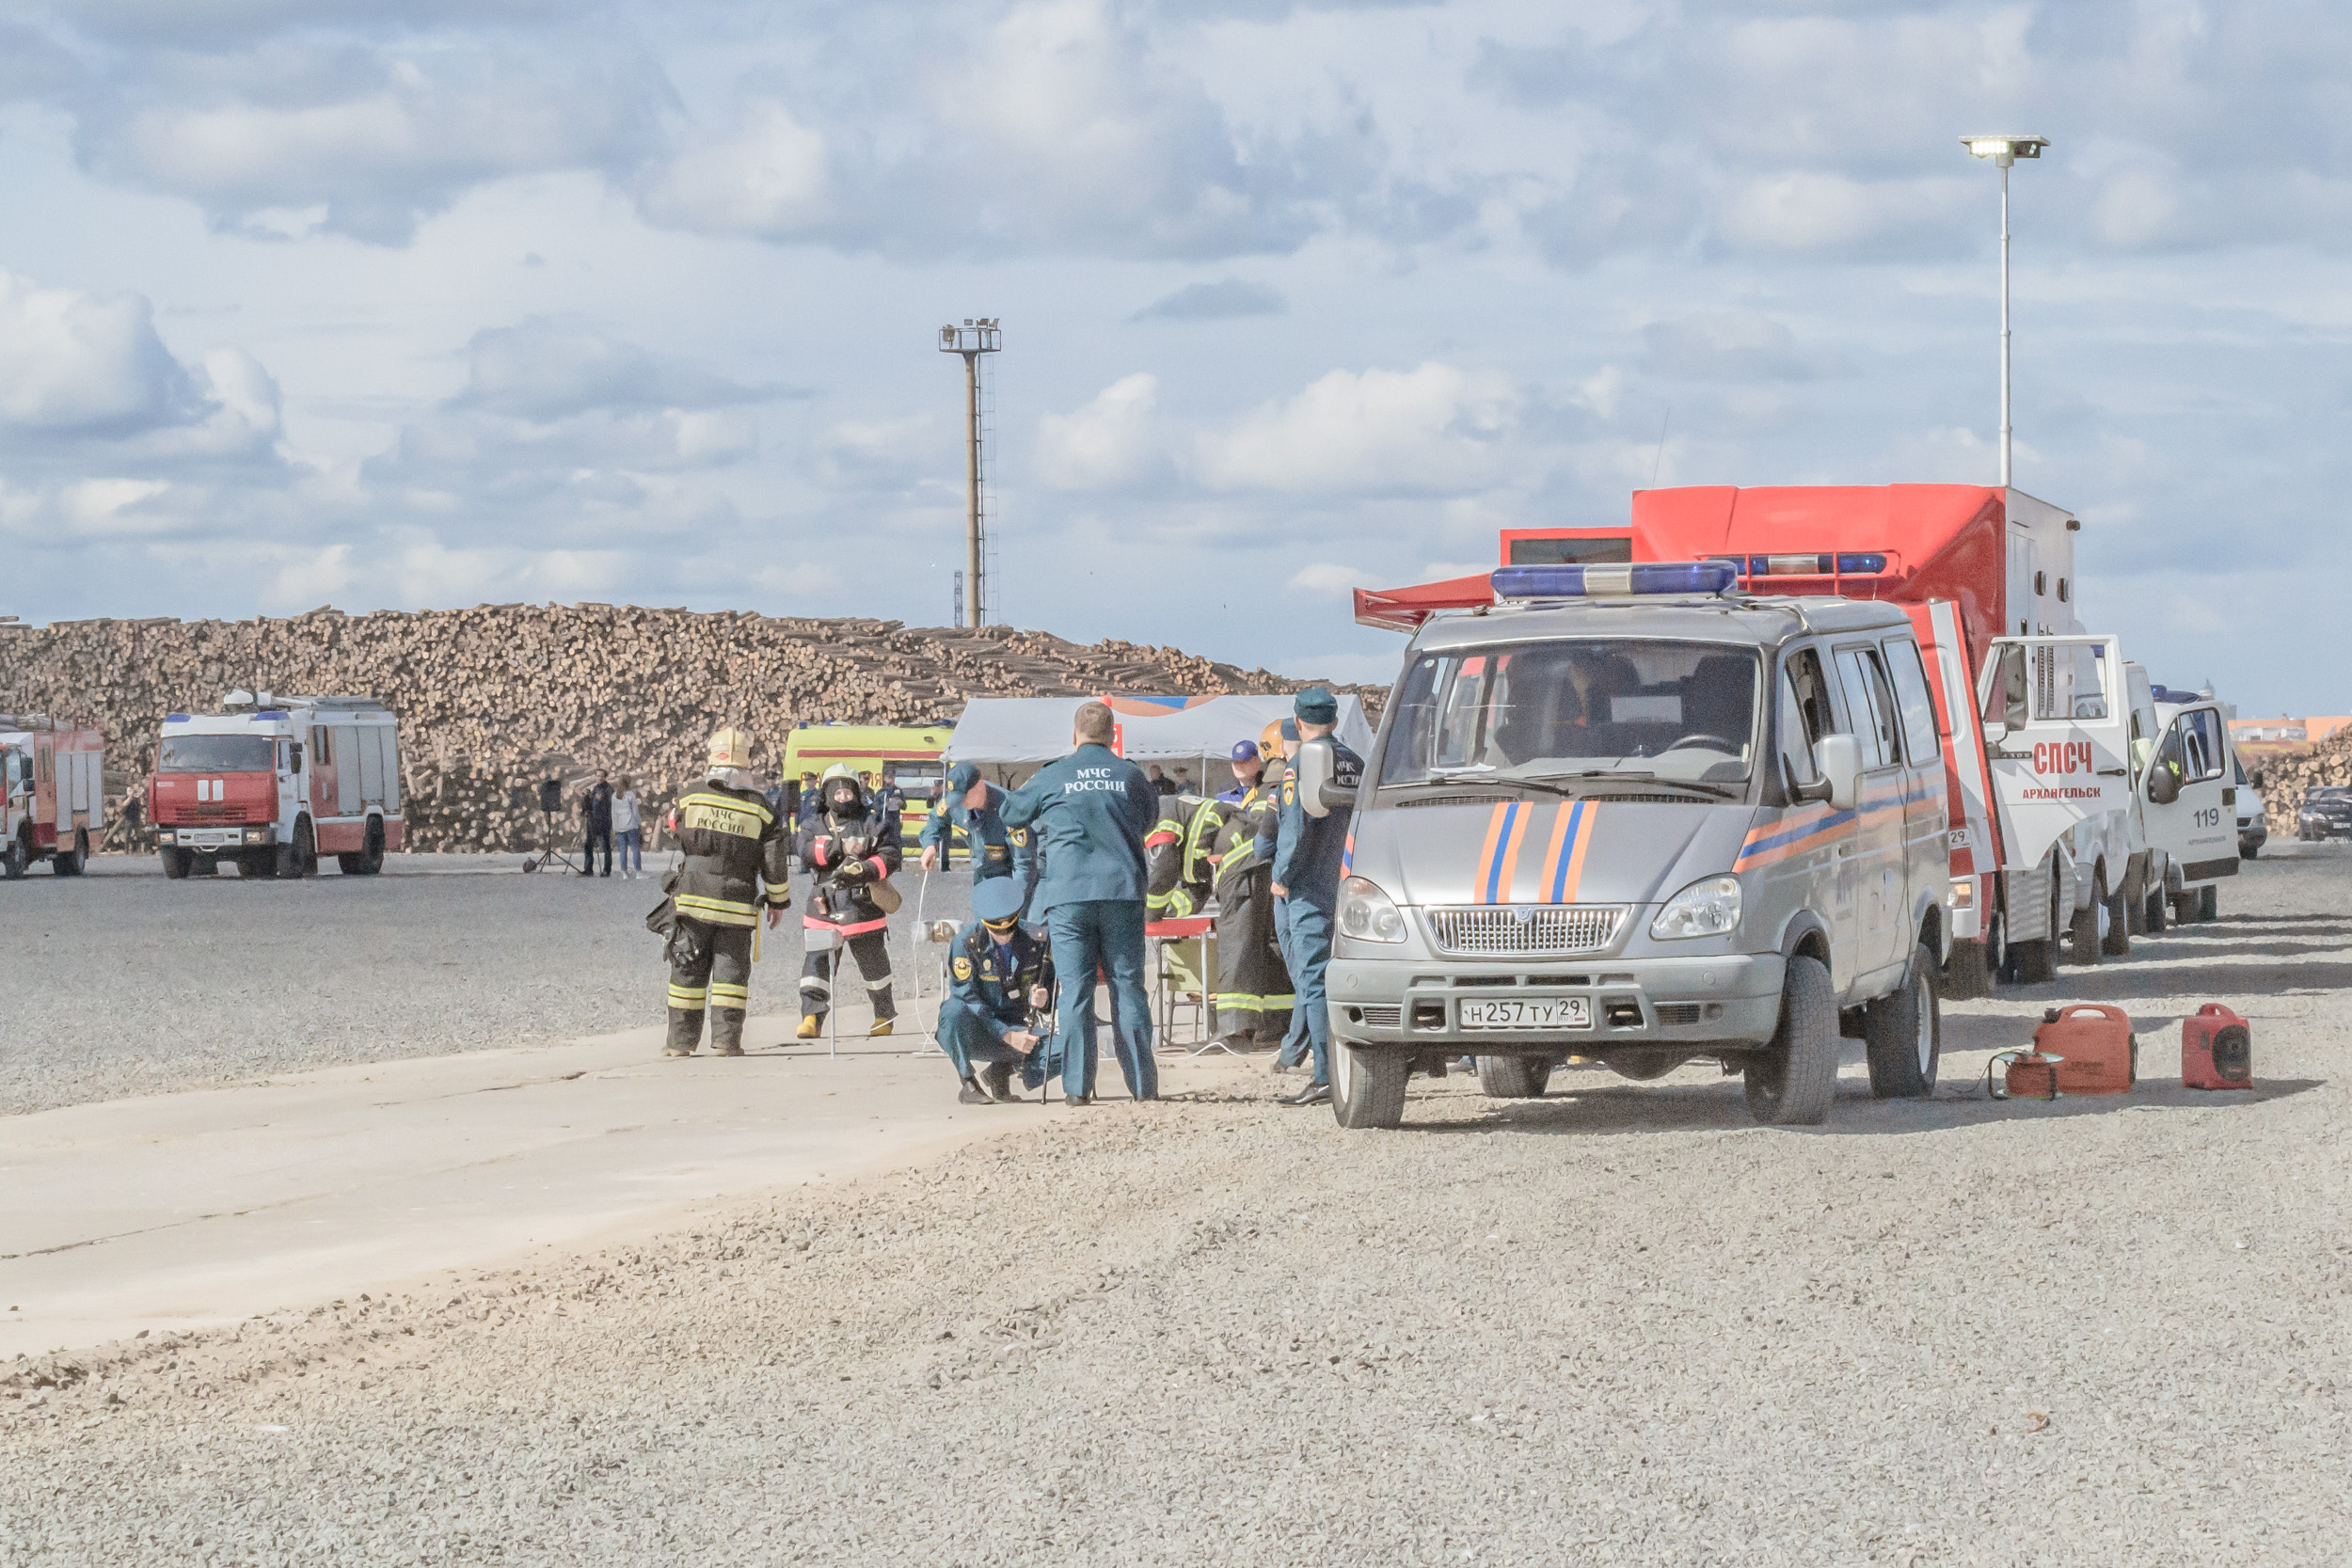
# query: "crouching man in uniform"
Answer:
x=999 y=974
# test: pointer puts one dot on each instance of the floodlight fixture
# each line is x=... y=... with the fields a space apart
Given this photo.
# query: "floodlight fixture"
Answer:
x=2004 y=151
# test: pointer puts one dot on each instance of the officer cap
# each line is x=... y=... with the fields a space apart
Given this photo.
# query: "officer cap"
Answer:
x=962 y=776
x=997 y=898
x=1289 y=729
x=1244 y=750
x=1316 y=705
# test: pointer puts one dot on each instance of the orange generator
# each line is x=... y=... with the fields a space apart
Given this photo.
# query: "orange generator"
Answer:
x=2217 y=1050
x=2096 y=1050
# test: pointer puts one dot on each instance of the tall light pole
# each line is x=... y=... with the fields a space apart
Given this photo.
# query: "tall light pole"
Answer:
x=972 y=340
x=2005 y=151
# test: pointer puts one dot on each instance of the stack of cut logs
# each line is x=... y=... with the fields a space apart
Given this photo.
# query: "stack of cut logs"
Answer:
x=2284 y=779
x=493 y=699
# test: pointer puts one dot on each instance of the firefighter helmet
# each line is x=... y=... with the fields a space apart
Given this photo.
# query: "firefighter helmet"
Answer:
x=1270 y=741
x=730 y=747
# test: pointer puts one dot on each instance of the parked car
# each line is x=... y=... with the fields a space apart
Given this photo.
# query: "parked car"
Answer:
x=2253 y=822
x=2326 y=812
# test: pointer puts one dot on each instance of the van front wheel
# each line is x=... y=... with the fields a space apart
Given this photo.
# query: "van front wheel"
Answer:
x=1791 y=1081
x=1368 y=1086
x=1905 y=1033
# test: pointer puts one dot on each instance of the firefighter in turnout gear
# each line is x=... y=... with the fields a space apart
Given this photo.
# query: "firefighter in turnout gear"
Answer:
x=1253 y=984
x=851 y=847
x=1176 y=859
x=732 y=844
x=1000 y=975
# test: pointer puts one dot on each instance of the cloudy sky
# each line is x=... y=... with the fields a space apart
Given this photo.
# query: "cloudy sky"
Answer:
x=418 y=303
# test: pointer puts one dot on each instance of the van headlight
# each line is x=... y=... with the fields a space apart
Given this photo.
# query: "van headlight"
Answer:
x=1707 y=908
x=1367 y=914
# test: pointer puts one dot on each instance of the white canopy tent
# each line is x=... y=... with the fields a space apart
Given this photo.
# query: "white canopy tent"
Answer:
x=1015 y=734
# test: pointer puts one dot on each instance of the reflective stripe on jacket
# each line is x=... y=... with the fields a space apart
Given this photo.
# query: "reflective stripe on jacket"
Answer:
x=731 y=843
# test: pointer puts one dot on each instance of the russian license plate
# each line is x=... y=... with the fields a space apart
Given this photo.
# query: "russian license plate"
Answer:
x=1549 y=1012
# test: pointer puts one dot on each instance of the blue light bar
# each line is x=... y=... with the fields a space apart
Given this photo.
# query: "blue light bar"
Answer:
x=1585 y=582
x=1808 y=563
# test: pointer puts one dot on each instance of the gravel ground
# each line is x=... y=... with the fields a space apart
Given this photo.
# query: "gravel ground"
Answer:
x=122 y=983
x=1617 y=1324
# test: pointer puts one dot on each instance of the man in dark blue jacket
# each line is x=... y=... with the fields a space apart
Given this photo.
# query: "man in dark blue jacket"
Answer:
x=999 y=974
x=1089 y=813
x=975 y=806
x=1308 y=855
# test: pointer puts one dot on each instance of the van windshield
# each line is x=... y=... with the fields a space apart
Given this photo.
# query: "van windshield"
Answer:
x=1640 y=707
x=216 y=753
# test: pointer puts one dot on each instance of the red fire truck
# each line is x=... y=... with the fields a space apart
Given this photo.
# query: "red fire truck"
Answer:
x=274 y=782
x=52 y=801
x=2056 y=836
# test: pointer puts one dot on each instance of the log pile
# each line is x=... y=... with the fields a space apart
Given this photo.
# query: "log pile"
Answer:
x=494 y=698
x=2284 y=779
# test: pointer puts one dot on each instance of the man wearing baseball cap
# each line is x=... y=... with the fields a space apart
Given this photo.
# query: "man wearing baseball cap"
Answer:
x=1309 y=853
x=1248 y=765
x=971 y=802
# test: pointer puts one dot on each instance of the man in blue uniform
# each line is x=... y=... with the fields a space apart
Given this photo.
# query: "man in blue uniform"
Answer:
x=976 y=806
x=1308 y=852
x=1246 y=767
x=1090 y=811
x=997 y=973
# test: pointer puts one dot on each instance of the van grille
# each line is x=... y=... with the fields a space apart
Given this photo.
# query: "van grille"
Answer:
x=1526 y=930
x=1379 y=1015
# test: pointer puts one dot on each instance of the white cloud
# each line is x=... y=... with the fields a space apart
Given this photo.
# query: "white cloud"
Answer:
x=79 y=363
x=296 y=134
x=1112 y=441
x=767 y=176
x=1433 y=428
x=1328 y=578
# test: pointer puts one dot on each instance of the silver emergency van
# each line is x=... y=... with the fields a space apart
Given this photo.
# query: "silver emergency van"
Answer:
x=1642 y=827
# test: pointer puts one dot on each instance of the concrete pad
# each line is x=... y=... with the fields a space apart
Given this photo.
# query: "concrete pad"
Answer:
x=180 y=1210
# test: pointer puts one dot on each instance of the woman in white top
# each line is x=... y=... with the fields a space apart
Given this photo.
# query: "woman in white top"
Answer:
x=629 y=829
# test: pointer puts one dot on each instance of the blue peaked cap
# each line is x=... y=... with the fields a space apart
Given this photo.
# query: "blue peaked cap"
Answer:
x=962 y=776
x=997 y=898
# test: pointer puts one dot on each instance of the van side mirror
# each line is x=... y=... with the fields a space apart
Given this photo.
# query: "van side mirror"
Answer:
x=2164 y=786
x=1837 y=760
x=1322 y=786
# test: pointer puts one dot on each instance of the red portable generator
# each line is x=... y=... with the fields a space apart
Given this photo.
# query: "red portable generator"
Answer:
x=2096 y=1050
x=2217 y=1050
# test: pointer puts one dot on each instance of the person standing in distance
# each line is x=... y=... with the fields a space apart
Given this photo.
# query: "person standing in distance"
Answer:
x=1307 y=854
x=1090 y=811
x=973 y=804
x=595 y=814
x=629 y=829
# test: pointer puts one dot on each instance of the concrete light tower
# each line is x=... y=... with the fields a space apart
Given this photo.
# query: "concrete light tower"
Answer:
x=2005 y=151
x=972 y=340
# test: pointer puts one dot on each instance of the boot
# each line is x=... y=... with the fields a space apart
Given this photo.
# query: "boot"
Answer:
x=727 y=1032
x=686 y=1030
x=882 y=1026
x=1000 y=1080
x=973 y=1094
x=812 y=1024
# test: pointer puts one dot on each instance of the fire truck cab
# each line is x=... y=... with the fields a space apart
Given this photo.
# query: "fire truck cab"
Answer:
x=53 y=801
x=271 y=783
